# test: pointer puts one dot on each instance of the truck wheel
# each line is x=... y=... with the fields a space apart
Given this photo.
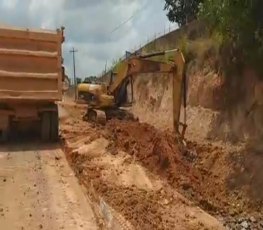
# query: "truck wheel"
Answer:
x=4 y=136
x=45 y=126
x=54 y=129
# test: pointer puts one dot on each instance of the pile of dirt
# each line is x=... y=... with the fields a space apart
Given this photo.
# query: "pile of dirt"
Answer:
x=233 y=176
x=139 y=206
x=157 y=150
x=115 y=176
x=226 y=182
x=203 y=173
x=144 y=209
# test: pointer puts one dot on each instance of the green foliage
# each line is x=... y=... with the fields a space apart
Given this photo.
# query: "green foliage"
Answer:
x=150 y=47
x=182 y=11
x=78 y=80
x=183 y=46
x=90 y=79
x=239 y=23
x=201 y=53
x=115 y=64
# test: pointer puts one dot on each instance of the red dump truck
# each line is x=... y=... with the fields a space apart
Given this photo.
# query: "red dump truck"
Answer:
x=31 y=77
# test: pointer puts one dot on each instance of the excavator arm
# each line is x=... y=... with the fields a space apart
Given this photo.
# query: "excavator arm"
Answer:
x=142 y=64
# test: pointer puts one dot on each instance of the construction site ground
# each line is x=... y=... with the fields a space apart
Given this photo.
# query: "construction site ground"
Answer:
x=128 y=193
x=127 y=175
x=148 y=179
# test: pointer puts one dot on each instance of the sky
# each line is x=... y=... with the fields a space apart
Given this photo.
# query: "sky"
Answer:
x=101 y=30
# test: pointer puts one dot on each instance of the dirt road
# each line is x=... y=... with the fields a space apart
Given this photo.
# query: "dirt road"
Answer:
x=38 y=190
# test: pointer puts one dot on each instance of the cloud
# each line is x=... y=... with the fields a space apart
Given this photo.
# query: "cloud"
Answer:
x=9 y=4
x=89 y=25
x=46 y=12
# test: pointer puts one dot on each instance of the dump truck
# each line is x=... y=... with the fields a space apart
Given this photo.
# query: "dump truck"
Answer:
x=31 y=81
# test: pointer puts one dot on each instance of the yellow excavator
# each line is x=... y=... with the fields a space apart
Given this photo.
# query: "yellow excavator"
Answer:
x=106 y=102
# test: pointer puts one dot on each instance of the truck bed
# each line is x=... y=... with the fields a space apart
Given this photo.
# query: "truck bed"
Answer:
x=30 y=65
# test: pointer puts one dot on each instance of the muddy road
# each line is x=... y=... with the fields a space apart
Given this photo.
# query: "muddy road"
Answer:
x=38 y=190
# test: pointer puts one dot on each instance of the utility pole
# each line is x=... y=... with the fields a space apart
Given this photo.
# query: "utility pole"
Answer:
x=106 y=66
x=73 y=51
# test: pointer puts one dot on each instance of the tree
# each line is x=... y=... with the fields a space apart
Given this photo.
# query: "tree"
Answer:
x=78 y=80
x=240 y=22
x=90 y=79
x=182 y=11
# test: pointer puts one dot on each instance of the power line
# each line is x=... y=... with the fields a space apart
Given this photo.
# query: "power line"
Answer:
x=123 y=23
x=129 y=19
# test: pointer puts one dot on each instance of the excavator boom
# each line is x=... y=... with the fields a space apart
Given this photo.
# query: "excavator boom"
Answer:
x=141 y=64
x=117 y=90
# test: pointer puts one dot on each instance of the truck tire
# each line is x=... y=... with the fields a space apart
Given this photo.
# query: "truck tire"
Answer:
x=54 y=129
x=4 y=136
x=45 y=126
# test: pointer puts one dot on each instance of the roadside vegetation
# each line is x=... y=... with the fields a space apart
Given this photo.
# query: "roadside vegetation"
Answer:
x=235 y=26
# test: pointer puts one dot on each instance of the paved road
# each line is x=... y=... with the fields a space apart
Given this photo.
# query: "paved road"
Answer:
x=38 y=190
